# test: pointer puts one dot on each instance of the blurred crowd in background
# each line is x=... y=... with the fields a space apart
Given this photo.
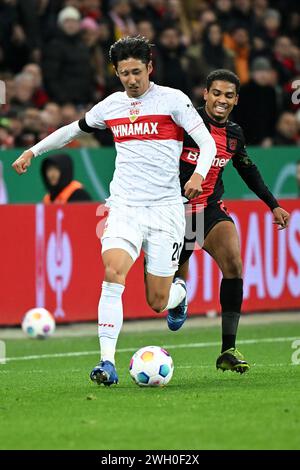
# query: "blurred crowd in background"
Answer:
x=54 y=60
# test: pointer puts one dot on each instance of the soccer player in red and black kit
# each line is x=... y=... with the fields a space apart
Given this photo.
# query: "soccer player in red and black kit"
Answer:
x=220 y=235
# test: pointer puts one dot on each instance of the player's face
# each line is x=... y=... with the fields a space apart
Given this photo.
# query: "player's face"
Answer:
x=134 y=76
x=220 y=100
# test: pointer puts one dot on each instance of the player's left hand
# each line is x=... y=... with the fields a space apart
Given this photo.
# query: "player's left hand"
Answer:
x=193 y=187
x=281 y=218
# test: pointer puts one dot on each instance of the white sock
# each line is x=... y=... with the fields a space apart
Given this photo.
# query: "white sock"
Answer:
x=110 y=319
x=177 y=294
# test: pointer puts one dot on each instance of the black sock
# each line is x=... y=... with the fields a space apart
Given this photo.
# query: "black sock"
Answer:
x=231 y=298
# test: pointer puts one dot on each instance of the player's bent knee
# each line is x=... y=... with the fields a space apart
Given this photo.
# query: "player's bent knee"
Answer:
x=233 y=267
x=157 y=302
x=115 y=275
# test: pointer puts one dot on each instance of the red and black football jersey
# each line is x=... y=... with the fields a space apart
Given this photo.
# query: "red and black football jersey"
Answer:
x=230 y=144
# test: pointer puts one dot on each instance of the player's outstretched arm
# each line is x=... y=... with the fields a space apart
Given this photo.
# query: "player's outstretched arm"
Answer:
x=56 y=140
x=254 y=180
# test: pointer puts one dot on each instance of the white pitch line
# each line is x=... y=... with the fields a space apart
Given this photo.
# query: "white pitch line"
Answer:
x=170 y=346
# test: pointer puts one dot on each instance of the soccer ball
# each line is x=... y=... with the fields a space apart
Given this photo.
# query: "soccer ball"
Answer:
x=151 y=366
x=38 y=323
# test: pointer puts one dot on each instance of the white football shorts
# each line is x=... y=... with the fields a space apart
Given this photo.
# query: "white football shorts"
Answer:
x=157 y=230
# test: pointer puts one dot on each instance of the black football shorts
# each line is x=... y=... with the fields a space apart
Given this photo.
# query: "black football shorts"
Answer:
x=213 y=214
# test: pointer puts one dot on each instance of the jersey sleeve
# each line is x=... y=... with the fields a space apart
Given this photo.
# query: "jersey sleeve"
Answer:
x=249 y=172
x=241 y=158
x=95 y=117
x=184 y=114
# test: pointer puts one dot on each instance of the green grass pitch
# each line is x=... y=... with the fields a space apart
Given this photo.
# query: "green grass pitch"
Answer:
x=50 y=402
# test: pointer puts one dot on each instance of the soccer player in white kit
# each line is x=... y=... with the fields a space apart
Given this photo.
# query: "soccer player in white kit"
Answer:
x=145 y=205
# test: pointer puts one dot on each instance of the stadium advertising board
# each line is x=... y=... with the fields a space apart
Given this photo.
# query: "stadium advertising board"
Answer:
x=50 y=256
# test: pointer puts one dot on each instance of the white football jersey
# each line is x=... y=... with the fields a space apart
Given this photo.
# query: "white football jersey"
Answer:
x=148 y=134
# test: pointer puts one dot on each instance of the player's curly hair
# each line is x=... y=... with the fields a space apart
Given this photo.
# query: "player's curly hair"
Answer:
x=223 y=75
x=137 y=47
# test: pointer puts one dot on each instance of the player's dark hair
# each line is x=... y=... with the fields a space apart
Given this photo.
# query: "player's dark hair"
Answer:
x=223 y=75
x=137 y=48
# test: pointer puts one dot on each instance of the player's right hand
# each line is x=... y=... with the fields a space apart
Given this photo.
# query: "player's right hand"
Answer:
x=23 y=162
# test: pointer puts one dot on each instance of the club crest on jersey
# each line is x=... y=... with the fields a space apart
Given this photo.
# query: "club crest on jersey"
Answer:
x=134 y=114
x=134 y=111
x=232 y=144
